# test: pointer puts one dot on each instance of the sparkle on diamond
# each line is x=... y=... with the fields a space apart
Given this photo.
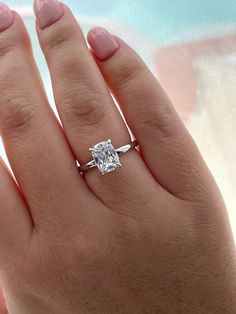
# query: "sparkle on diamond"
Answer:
x=105 y=157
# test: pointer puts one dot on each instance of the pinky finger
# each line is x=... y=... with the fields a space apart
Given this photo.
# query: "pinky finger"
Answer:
x=15 y=220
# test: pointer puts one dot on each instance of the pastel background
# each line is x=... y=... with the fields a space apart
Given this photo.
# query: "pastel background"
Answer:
x=191 y=47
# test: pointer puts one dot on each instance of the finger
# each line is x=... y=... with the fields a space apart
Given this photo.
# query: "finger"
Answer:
x=15 y=221
x=36 y=147
x=3 y=309
x=83 y=100
x=166 y=146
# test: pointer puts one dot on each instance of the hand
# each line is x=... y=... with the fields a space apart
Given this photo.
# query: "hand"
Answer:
x=150 y=237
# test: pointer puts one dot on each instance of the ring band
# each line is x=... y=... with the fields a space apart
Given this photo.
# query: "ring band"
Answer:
x=106 y=157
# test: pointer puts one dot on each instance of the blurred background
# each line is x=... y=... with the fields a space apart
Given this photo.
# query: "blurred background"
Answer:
x=190 y=45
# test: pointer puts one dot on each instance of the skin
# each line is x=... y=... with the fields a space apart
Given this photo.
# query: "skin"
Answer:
x=150 y=237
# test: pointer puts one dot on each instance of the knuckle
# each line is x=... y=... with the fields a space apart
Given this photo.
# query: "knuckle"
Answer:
x=84 y=106
x=11 y=70
x=7 y=47
x=14 y=40
x=61 y=37
x=11 y=56
x=17 y=114
x=126 y=71
x=154 y=120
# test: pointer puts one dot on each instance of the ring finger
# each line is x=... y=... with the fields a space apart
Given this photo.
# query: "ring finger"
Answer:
x=85 y=105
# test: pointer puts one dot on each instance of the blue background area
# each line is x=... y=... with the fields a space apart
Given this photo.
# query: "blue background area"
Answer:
x=160 y=19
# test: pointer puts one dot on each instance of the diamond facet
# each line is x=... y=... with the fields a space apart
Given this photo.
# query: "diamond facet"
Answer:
x=105 y=157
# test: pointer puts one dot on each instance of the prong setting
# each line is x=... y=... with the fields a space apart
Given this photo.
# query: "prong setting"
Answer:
x=106 y=157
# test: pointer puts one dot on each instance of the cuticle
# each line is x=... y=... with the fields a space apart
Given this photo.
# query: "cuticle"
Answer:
x=13 y=15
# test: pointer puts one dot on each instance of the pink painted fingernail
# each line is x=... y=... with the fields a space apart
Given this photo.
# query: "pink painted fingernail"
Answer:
x=47 y=12
x=6 y=17
x=103 y=44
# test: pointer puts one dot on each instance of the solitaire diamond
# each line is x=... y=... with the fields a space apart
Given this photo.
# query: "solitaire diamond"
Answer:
x=105 y=157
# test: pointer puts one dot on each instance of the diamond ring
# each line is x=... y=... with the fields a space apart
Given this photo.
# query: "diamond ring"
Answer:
x=106 y=157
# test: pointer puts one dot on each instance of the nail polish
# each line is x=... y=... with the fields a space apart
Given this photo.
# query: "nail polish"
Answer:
x=103 y=44
x=47 y=12
x=6 y=17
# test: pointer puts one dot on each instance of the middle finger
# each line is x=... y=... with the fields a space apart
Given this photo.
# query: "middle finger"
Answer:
x=38 y=153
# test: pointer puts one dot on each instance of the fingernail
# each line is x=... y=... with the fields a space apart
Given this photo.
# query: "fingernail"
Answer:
x=103 y=44
x=6 y=16
x=47 y=12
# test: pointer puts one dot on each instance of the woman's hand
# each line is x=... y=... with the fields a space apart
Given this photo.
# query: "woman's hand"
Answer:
x=150 y=237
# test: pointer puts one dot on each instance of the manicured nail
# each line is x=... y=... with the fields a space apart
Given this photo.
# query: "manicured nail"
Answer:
x=47 y=12
x=103 y=44
x=6 y=16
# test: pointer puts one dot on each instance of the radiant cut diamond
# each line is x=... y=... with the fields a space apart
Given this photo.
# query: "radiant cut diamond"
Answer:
x=105 y=157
